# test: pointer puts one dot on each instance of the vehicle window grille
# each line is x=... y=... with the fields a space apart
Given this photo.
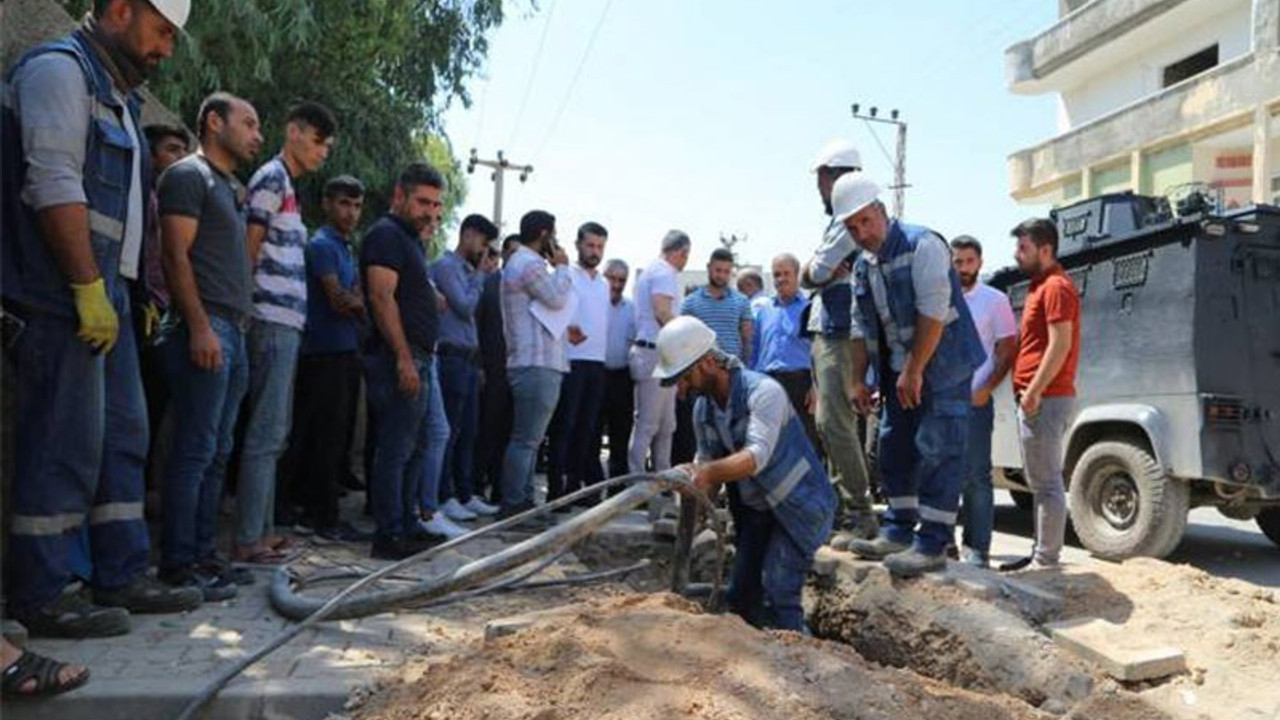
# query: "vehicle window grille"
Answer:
x=1080 y=276
x=1129 y=271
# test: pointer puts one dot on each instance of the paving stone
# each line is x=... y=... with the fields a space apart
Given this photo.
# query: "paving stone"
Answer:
x=1116 y=650
x=665 y=528
x=1036 y=603
x=825 y=562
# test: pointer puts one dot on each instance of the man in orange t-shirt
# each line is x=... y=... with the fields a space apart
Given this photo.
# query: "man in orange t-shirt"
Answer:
x=1044 y=382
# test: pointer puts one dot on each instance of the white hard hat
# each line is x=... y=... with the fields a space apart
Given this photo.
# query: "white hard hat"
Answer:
x=681 y=343
x=851 y=193
x=175 y=11
x=838 y=154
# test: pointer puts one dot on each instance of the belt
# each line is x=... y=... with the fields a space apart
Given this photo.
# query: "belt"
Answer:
x=471 y=355
x=645 y=344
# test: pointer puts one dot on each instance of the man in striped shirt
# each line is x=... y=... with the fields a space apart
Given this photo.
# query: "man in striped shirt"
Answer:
x=536 y=362
x=277 y=240
x=723 y=309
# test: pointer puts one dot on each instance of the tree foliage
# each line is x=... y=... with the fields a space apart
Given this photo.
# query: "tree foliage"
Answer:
x=387 y=68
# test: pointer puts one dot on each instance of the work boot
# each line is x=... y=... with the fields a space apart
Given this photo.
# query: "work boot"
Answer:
x=865 y=526
x=72 y=615
x=148 y=595
x=912 y=563
x=877 y=549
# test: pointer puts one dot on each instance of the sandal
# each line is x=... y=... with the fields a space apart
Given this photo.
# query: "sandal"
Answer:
x=259 y=555
x=47 y=673
x=279 y=543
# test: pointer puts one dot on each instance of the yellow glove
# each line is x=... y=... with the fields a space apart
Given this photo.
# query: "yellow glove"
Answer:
x=99 y=325
x=150 y=320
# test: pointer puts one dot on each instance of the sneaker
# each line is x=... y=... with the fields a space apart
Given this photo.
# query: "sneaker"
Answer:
x=877 y=549
x=974 y=558
x=221 y=567
x=396 y=547
x=72 y=615
x=442 y=527
x=343 y=532
x=214 y=587
x=454 y=510
x=148 y=595
x=912 y=563
x=480 y=507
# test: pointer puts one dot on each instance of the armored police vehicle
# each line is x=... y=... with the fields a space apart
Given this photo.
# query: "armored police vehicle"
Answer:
x=1179 y=373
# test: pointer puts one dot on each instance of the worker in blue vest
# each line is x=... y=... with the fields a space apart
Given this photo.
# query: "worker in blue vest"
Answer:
x=75 y=186
x=750 y=439
x=921 y=340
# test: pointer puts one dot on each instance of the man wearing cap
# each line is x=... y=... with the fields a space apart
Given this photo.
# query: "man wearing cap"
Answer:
x=74 y=212
x=833 y=330
x=750 y=439
x=921 y=337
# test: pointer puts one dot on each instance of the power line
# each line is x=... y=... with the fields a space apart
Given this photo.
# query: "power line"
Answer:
x=533 y=73
x=564 y=102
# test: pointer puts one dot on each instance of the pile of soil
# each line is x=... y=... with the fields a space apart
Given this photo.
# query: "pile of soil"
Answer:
x=1229 y=631
x=659 y=656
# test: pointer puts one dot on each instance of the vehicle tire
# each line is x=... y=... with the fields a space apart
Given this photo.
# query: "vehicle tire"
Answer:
x=1269 y=522
x=1124 y=505
x=1024 y=500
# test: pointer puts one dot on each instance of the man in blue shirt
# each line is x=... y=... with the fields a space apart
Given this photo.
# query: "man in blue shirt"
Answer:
x=780 y=351
x=458 y=277
x=329 y=367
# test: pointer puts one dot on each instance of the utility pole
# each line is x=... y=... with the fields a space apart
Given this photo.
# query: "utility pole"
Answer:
x=900 y=185
x=500 y=167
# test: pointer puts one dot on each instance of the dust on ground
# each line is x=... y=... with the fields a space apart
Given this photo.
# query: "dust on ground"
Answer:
x=659 y=656
x=1228 y=629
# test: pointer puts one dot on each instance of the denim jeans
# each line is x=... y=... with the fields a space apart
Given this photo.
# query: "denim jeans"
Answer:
x=922 y=459
x=574 y=440
x=460 y=383
x=400 y=443
x=534 y=393
x=436 y=426
x=273 y=363
x=977 y=495
x=769 y=570
x=80 y=452
x=206 y=404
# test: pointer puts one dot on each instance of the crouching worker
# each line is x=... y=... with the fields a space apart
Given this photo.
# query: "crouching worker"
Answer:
x=750 y=439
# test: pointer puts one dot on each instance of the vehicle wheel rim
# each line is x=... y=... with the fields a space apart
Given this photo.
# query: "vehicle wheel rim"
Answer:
x=1117 y=500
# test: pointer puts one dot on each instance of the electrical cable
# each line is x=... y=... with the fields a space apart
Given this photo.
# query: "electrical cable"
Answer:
x=564 y=102
x=533 y=74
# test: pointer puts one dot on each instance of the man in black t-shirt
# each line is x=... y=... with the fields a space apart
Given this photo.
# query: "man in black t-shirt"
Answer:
x=400 y=355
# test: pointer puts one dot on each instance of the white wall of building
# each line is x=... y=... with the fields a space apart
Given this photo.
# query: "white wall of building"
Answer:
x=1229 y=24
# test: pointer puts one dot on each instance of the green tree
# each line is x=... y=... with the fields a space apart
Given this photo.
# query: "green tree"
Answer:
x=387 y=68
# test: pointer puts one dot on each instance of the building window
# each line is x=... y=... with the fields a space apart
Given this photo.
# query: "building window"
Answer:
x=1191 y=66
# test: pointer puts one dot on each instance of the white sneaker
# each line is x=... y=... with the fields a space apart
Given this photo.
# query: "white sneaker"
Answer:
x=441 y=526
x=454 y=510
x=480 y=507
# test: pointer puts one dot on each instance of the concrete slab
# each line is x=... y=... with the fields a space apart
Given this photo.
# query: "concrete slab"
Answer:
x=1116 y=651
x=1036 y=603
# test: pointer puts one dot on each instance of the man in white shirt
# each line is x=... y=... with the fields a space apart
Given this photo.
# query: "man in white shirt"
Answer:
x=655 y=298
x=998 y=330
x=570 y=465
x=616 y=415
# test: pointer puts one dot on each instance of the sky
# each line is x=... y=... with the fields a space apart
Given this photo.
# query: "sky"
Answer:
x=705 y=115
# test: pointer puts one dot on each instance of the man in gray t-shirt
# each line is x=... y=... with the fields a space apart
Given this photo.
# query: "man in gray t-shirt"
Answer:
x=206 y=266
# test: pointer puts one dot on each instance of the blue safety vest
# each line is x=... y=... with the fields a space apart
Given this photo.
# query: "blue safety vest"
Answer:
x=30 y=275
x=959 y=351
x=793 y=484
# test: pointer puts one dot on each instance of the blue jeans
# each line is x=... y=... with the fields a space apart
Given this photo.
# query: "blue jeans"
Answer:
x=400 y=443
x=460 y=383
x=436 y=426
x=273 y=363
x=767 y=580
x=977 y=495
x=206 y=405
x=80 y=451
x=922 y=463
x=534 y=393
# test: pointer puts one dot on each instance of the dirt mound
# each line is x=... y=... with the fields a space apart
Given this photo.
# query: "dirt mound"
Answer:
x=1228 y=629
x=658 y=656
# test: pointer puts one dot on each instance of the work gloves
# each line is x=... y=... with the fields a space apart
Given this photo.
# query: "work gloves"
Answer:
x=99 y=326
